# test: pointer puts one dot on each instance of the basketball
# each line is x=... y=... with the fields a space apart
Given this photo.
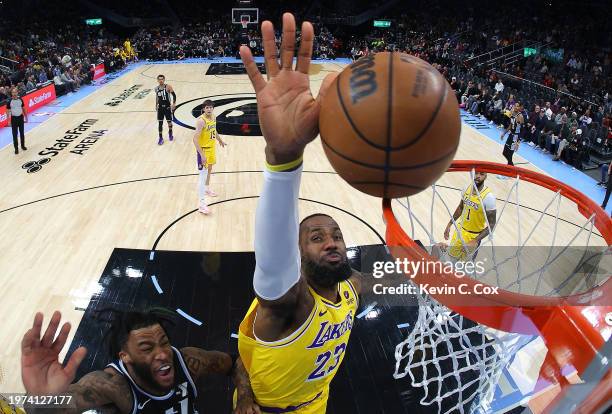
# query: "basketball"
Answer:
x=390 y=124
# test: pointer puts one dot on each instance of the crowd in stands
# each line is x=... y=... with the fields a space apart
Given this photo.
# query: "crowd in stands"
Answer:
x=42 y=52
x=195 y=40
x=567 y=104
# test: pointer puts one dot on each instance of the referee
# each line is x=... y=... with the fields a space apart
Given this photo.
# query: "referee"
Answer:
x=17 y=116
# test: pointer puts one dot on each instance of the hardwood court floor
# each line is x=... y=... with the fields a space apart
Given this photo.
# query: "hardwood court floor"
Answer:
x=110 y=185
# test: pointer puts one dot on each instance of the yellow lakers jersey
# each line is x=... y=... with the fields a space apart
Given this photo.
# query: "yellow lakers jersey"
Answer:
x=295 y=372
x=206 y=139
x=473 y=215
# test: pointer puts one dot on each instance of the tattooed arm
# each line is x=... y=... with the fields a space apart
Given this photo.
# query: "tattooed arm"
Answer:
x=106 y=391
x=201 y=362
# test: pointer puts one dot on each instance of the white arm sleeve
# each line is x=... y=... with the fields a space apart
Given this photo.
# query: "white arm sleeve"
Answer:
x=489 y=202
x=277 y=255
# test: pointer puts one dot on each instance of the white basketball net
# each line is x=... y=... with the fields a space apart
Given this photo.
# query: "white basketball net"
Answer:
x=442 y=338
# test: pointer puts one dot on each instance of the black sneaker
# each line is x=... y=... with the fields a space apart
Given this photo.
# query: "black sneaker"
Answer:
x=24 y=148
x=16 y=151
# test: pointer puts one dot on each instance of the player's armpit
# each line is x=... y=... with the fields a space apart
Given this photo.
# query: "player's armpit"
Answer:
x=285 y=305
x=201 y=362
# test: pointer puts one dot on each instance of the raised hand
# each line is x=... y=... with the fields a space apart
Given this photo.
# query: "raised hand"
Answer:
x=41 y=371
x=288 y=113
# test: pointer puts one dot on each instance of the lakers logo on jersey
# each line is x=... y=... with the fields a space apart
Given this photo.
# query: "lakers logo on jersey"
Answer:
x=207 y=136
x=473 y=216
x=295 y=372
x=473 y=221
x=329 y=331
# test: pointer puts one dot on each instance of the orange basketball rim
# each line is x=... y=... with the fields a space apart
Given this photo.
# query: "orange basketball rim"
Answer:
x=571 y=339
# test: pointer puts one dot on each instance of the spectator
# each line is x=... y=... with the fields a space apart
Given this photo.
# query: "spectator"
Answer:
x=3 y=95
x=585 y=120
x=31 y=85
x=66 y=80
x=598 y=117
x=496 y=110
x=471 y=90
x=499 y=86
x=560 y=115
x=546 y=136
x=21 y=89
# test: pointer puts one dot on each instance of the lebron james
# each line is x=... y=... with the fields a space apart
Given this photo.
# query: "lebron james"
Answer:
x=294 y=336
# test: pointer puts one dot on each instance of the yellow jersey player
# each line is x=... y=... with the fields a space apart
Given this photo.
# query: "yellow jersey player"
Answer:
x=294 y=336
x=204 y=141
x=476 y=202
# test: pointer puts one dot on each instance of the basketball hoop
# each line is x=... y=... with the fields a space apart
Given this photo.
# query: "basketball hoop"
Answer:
x=563 y=315
x=244 y=23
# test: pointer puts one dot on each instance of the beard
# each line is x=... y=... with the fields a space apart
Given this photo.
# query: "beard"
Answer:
x=144 y=374
x=326 y=275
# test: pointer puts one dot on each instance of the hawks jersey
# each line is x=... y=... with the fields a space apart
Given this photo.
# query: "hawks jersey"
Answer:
x=473 y=215
x=179 y=400
x=206 y=139
x=163 y=97
x=293 y=374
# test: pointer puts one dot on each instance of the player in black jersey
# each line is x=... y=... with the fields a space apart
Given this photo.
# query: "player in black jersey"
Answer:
x=148 y=375
x=514 y=126
x=164 y=106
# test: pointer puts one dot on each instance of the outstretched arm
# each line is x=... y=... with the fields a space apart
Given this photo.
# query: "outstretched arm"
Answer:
x=43 y=374
x=97 y=390
x=288 y=115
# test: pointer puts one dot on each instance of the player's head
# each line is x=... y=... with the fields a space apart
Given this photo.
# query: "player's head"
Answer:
x=140 y=340
x=479 y=178
x=324 y=260
x=14 y=93
x=208 y=107
x=161 y=79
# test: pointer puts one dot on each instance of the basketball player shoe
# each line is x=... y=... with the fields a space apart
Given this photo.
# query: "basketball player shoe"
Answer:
x=210 y=193
x=204 y=208
x=171 y=137
x=161 y=141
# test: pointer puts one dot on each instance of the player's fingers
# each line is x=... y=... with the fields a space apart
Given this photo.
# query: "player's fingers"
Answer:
x=75 y=360
x=329 y=79
x=270 y=50
x=257 y=80
x=305 y=51
x=60 y=341
x=47 y=338
x=36 y=328
x=288 y=41
x=29 y=342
